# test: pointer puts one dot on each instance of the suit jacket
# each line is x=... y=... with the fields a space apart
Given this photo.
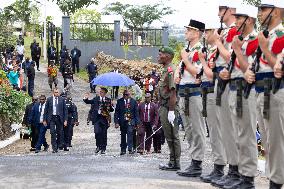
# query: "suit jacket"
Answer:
x=96 y=107
x=27 y=114
x=77 y=56
x=120 y=109
x=62 y=110
x=35 y=115
x=154 y=116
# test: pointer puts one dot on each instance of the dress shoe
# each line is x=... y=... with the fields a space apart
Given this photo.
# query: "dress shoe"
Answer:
x=194 y=170
x=103 y=152
x=66 y=149
x=169 y=167
x=37 y=151
x=273 y=185
x=246 y=183
x=54 y=151
x=46 y=148
x=216 y=173
x=97 y=150
x=122 y=153
x=32 y=149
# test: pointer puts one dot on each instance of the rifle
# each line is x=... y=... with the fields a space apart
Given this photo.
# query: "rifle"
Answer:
x=277 y=81
x=255 y=65
x=182 y=63
x=214 y=70
x=204 y=50
x=223 y=83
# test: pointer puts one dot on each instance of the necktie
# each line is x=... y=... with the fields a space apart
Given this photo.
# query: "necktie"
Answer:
x=40 y=109
x=56 y=105
x=146 y=113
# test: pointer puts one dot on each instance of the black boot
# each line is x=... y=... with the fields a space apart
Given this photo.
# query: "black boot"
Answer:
x=216 y=173
x=220 y=182
x=247 y=183
x=170 y=166
x=194 y=170
x=234 y=181
x=273 y=185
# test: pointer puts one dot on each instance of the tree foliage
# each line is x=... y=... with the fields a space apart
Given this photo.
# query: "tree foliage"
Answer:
x=253 y=2
x=135 y=16
x=71 y=6
x=6 y=39
x=86 y=15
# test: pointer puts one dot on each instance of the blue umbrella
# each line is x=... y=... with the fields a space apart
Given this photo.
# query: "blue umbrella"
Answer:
x=112 y=79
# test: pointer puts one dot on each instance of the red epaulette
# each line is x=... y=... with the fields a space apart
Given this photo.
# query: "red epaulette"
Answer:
x=231 y=34
x=278 y=45
x=251 y=47
x=195 y=57
x=170 y=70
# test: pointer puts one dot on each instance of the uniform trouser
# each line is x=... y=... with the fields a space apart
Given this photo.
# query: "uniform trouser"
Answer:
x=197 y=131
x=228 y=132
x=171 y=135
x=41 y=138
x=100 y=129
x=146 y=128
x=34 y=135
x=68 y=132
x=274 y=127
x=246 y=135
x=126 y=137
x=31 y=85
x=37 y=63
x=218 y=152
x=56 y=131
x=92 y=87
x=75 y=63
x=157 y=140
x=115 y=91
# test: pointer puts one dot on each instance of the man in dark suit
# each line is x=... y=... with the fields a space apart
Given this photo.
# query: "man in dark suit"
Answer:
x=37 y=54
x=126 y=117
x=51 y=53
x=31 y=78
x=100 y=117
x=34 y=133
x=115 y=89
x=149 y=117
x=55 y=116
x=75 y=54
x=36 y=117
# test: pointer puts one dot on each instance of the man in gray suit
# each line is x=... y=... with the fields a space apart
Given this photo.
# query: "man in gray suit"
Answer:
x=55 y=116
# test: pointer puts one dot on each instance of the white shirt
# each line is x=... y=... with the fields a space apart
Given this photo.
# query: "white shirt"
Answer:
x=20 y=49
x=54 y=105
x=41 y=106
x=147 y=110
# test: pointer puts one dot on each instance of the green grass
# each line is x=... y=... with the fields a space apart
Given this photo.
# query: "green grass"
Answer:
x=83 y=75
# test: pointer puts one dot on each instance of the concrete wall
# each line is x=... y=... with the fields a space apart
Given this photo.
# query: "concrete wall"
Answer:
x=89 y=49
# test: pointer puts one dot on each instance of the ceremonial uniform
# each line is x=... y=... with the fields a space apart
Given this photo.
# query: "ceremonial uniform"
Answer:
x=72 y=119
x=270 y=106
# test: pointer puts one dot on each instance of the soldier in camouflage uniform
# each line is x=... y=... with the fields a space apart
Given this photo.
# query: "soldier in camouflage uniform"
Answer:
x=167 y=111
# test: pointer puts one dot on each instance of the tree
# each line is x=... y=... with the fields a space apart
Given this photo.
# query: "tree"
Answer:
x=86 y=15
x=137 y=17
x=253 y=2
x=71 y=6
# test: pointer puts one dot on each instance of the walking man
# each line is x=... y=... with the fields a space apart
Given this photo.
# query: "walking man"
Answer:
x=75 y=55
x=55 y=116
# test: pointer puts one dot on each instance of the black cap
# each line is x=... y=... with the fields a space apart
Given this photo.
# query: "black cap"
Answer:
x=194 y=24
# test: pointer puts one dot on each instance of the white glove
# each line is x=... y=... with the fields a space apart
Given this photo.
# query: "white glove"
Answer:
x=171 y=117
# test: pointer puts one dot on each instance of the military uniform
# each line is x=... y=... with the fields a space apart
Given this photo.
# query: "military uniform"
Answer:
x=71 y=121
x=270 y=112
x=170 y=131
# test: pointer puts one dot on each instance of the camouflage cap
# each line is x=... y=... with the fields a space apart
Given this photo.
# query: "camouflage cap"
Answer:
x=167 y=50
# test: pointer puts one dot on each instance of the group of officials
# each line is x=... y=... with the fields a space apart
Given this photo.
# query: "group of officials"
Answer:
x=233 y=76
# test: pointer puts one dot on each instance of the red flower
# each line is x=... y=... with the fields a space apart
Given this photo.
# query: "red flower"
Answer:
x=170 y=70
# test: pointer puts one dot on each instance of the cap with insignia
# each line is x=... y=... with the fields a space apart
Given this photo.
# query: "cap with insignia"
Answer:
x=272 y=3
x=194 y=24
x=246 y=10
x=167 y=50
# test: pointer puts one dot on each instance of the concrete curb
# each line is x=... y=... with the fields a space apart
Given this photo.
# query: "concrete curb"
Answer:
x=12 y=139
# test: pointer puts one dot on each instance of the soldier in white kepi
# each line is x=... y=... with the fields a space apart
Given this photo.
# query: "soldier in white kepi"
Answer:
x=270 y=102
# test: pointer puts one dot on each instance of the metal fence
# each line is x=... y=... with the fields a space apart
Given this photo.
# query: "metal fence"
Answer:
x=92 y=31
x=142 y=37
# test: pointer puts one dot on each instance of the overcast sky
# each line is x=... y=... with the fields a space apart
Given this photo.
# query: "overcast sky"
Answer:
x=202 y=10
